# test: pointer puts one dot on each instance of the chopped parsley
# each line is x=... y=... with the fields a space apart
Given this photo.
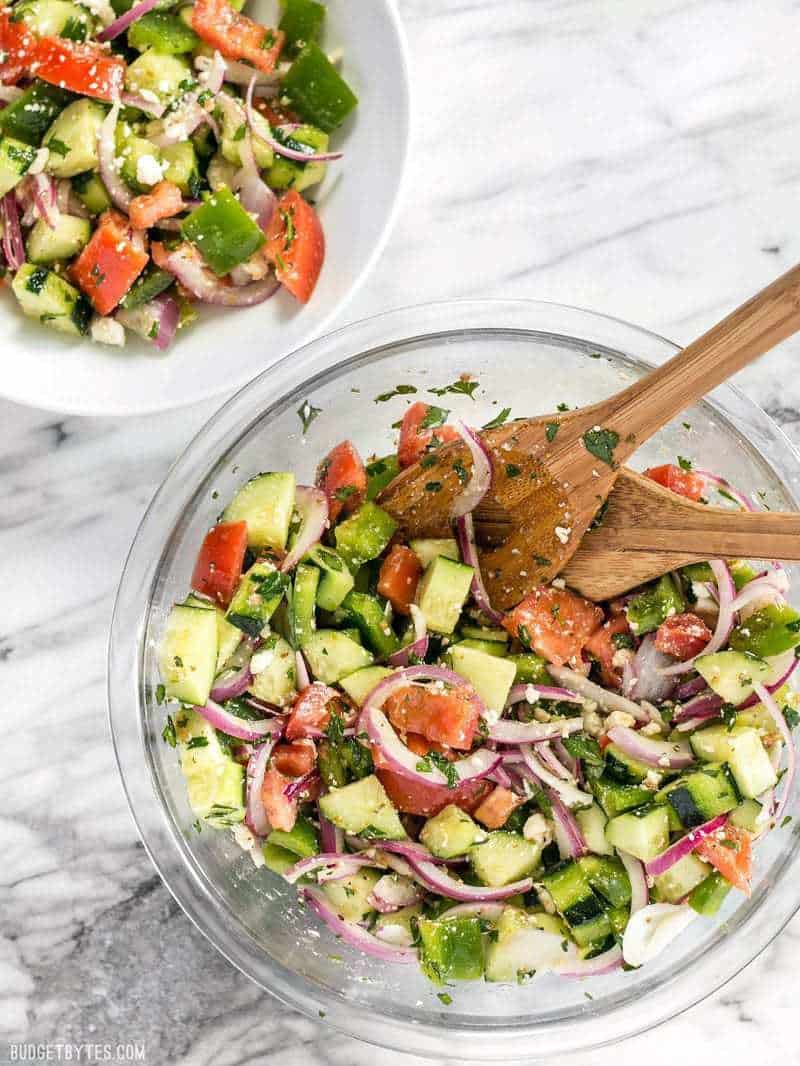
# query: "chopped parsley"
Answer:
x=57 y=146
x=512 y=470
x=445 y=997
x=498 y=420
x=792 y=717
x=435 y=760
x=240 y=133
x=427 y=461
x=684 y=463
x=434 y=416
x=541 y=560
x=728 y=714
x=461 y=472
x=168 y=732
x=550 y=431
x=198 y=742
x=622 y=640
x=306 y=412
x=433 y=486
x=563 y=407
x=399 y=390
x=161 y=693
x=463 y=387
x=601 y=444
x=345 y=492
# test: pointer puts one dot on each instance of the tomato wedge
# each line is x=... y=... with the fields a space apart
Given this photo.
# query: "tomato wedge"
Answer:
x=602 y=646
x=416 y=437
x=17 y=48
x=682 y=635
x=310 y=713
x=730 y=851
x=281 y=811
x=413 y=796
x=449 y=717
x=399 y=577
x=343 y=478
x=556 y=623
x=219 y=563
x=295 y=759
x=296 y=245
x=109 y=264
x=493 y=811
x=82 y=68
x=684 y=482
x=235 y=35
x=163 y=201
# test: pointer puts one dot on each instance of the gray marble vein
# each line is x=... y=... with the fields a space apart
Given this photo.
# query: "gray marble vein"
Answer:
x=638 y=159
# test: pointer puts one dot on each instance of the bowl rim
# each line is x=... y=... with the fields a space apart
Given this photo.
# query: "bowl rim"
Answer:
x=297 y=371
x=156 y=405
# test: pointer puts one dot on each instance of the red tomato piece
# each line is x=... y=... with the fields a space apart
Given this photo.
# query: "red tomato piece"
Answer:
x=684 y=482
x=493 y=811
x=449 y=717
x=235 y=35
x=281 y=811
x=275 y=113
x=17 y=48
x=109 y=264
x=602 y=648
x=82 y=68
x=413 y=796
x=343 y=478
x=219 y=564
x=163 y=201
x=295 y=759
x=416 y=437
x=311 y=712
x=556 y=623
x=399 y=577
x=295 y=244
x=730 y=851
x=682 y=635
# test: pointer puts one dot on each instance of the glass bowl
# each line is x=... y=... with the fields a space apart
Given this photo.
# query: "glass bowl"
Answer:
x=526 y=356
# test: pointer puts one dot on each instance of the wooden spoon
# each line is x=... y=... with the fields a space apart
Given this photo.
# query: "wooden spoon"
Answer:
x=647 y=530
x=552 y=473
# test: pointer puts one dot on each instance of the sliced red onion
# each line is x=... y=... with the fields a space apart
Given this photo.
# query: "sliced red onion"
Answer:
x=409 y=675
x=141 y=103
x=681 y=848
x=408 y=849
x=44 y=196
x=640 y=894
x=301 y=671
x=121 y=24
x=187 y=266
x=255 y=195
x=355 y=935
x=791 y=752
x=706 y=705
x=155 y=321
x=552 y=763
x=480 y=480
x=569 y=793
x=718 y=482
x=726 y=590
x=785 y=670
x=508 y=732
x=643 y=679
x=690 y=688
x=533 y=693
x=13 y=245
x=770 y=586
x=500 y=776
x=234 y=72
x=404 y=761
x=596 y=967
x=331 y=837
x=277 y=147
x=243 y=728
x=570 y=839
x=465 y=531
x=660 y=754
x=610 y=701
x=212 y=72
x=255 y=812
x=572 y=764
x=418 y=648
x=392 y=892
x=312 y=506
x=329 y=866
x=231 y=686
x=302 y=784
x=439 y=880
x=116 y=188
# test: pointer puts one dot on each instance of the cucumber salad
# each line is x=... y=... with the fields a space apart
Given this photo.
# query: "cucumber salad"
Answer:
x=559 y=789
x=158 y=155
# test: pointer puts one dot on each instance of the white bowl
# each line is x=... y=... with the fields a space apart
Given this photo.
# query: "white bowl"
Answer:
x=357 y=204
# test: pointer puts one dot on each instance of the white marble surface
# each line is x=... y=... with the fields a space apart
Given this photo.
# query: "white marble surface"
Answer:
x=640 y=159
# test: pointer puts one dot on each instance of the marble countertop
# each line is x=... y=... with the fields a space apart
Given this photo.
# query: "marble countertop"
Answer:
x=638 y=159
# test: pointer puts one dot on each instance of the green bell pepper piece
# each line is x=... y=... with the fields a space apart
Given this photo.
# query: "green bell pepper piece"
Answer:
x=379 y=473
x=223 y=231
x=317 y=91
x=367 y=614
x=278 y=859
x=531 y=670
x=772 y=630
x=301 y=840
x=451 y=949
x=146 y=287
x=163 y=31
x=364 y=535
x=301 y=22
x=650 y=608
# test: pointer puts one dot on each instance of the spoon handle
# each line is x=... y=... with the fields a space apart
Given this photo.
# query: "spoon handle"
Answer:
x=765 y=320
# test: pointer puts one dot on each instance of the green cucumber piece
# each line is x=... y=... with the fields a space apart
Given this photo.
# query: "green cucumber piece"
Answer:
x=29 y=117
x=642 y=833
x=44 y=295
x=700 y=796
x=276 y=683
x=442 y=593
x=427 y=549
x=188 y=654
x=731 y=674
x=214 y=780
x=363 y=809
x=257 y=597
x=46 y=244
x=291 y=174
x=617 y=799
x=451 y=949
x=707 y=897
x=266 y=503
x=358 y=685
x=503 y=858
x=592 y=823
x=451 y=832
x=364 y=535
x=336 y=580
x=302 y=839
x=182 y=168
x=680 y=879
x=15 y=158
x=608 y=877
x=742 y=750
x=491 y=677
x=76 y=129
x=304 y=603
x=351 y=895
x=159 y=74
x=332 y=655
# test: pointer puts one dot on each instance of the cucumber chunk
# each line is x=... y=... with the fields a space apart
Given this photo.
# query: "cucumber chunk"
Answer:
x=76 y=129
x=93 y=194
x=744 y=753
x=228 y=637
x=572 y=894
x=747 y=816
x=451 y=832
x=623 y=768
x=592 y=823
x=266 y=503
x=162 y=31
x=451 y=949
x=336 y=580
x=615 y=798
x=303 y=614
x=29 y=116
x=484 y=634
x=427 y=549
x=15 y=159
x=234 y=121
x=44 y=295
x=488 y=647
x=364 y=809
x=331 y=655
x=524 y=944
x=278 y=859
x=398 y=927
x=350 y=895
x=608 y=877
x=731 y=674
x=256 y=599
x=503 y=858
x=214 y=780
x=162 y=75
x=302 y=839
x=491 y=677
x=697 y=797
x=707 y=897
x=364 y=535
x=291 y=174
x=276 y=682
x=442 y=593
x=188 y=654
x=642 y=833
x=56 y=18
x=63 y=241
x=359 y=684
x=182 y=167
x=680 y=879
